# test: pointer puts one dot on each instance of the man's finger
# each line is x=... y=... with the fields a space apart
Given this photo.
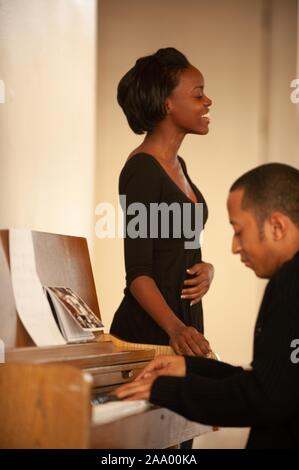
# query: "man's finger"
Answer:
x=131 y=388
x=154 y=365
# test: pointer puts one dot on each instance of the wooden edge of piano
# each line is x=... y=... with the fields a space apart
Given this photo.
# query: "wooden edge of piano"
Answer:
x=45 y=400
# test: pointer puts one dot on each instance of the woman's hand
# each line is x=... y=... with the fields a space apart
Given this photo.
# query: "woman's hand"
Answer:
x=203 y=275
x=189 y=341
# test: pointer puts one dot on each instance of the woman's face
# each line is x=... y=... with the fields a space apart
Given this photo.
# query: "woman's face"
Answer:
x=188 y=106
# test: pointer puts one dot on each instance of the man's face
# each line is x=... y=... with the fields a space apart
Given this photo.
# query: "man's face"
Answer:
x=257 y=251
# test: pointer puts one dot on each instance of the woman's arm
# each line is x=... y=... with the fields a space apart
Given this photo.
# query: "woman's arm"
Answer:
x=183 y=339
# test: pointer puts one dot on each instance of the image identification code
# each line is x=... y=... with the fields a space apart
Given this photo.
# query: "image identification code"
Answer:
x=149 y=459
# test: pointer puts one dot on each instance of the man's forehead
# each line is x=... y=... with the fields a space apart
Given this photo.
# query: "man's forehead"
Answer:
x=234 y=200
x=237 y=215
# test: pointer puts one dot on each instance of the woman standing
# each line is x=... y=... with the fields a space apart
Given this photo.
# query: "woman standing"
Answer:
x=163 y=97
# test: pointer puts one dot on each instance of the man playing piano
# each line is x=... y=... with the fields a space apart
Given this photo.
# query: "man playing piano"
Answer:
x=263 y=207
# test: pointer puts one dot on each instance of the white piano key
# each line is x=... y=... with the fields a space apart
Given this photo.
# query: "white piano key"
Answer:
x=107 y=412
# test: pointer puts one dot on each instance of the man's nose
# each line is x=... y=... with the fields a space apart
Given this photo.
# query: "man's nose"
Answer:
x=236 y=247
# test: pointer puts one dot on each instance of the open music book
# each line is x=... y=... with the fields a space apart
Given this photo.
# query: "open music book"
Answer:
x=75 y=319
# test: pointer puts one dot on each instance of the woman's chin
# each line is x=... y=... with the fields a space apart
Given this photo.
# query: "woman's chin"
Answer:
x=201 y=131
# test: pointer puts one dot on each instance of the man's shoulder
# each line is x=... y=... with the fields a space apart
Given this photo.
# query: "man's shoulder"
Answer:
x=286 y=279
x=289 y=269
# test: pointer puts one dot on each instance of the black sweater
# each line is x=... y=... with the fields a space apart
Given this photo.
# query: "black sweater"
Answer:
x=266 y=397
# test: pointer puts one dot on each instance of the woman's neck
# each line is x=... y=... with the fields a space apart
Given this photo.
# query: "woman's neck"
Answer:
x=163 y=145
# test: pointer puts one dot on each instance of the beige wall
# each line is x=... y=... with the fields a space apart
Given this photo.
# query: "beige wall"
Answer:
x=48 y=61
x=230 y=43
x=297 y=75
x=282 y=113
x=48 y=178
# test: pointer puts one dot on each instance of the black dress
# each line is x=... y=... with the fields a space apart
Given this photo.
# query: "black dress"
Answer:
x=144 y=180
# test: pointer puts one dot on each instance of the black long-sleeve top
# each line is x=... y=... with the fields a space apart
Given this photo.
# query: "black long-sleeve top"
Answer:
x=266 y=397
x=164 y=259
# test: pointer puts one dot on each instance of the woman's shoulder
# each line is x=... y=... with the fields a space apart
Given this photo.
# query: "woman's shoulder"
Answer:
x=139 y=162
x=139 y=156
x=140 y=169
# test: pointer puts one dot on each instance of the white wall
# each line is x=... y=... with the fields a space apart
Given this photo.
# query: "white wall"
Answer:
x=48 y=61
x=229 y=42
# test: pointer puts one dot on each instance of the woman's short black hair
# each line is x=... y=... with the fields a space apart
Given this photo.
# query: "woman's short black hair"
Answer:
x=144 y=88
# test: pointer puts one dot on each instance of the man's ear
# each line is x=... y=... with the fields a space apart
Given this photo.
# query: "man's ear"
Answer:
x=278 y=225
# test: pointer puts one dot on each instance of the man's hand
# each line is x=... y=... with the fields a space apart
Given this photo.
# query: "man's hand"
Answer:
x=164 y=365
x=140 y=388
x=203 y=274
x=137 y=390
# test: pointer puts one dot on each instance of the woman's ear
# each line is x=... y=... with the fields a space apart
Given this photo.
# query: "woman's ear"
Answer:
x=167 y=106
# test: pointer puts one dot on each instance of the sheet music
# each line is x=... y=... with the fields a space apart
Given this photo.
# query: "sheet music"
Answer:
x=113 y=410
x=32 y=305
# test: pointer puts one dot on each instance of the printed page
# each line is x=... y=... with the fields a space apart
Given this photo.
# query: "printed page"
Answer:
x=76 y=308
x=32 y=304
x=71 y=330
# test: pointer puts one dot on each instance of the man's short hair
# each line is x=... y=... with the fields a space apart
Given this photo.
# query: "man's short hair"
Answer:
x=273 y=187
x=142 y=91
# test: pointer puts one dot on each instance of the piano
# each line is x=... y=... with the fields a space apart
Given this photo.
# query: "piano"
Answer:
x=46 y=392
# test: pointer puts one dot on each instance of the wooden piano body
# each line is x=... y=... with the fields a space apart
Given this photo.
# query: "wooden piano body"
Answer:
x=45 y=392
